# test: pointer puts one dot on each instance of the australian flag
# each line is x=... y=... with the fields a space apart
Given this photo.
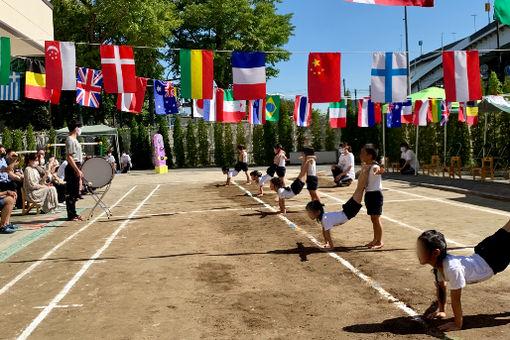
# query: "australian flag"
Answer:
x=394 y=115
x=165 y=98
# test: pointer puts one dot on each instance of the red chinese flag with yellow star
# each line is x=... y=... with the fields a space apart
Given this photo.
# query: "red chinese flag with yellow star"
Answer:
x=324 y=80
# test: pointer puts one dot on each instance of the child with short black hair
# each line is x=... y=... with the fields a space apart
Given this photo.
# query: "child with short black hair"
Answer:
x=260 y=179
x=491 y=256
x=295 y=188
x=312 y=181
x=242 y=162
x=230 y=174
x=351 y=208
x=373 y=194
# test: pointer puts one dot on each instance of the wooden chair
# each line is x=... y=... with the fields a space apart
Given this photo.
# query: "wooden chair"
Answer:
x=487 y=168
x=455 y=168
x=395 y=167
x=27 y=206
x=432 y=168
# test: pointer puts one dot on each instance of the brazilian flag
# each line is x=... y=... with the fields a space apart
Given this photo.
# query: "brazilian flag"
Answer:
x=272 y=108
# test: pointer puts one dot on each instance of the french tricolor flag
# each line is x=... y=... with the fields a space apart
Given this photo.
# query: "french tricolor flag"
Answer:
x=249 y=73
x=302 y=111
x=257 y=112
x=369 y=113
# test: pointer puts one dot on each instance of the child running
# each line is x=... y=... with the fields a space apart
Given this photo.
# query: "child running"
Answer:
x=242 y=162
x=373 y=194
x=256 y=176
x=491 y=256
x=295 y=188
x=312 y=181
x=328 y=220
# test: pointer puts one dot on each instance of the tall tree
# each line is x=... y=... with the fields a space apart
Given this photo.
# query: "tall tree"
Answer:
x=240 y=134
x=329 y=141
x=269 y=141
x=7 y=138
x=315 y=126
x=203 y=143
x=191 y=145
x=258 y=145
x=180 y=157
x=30 y=137
x=229 y=153
x=219 y=158
x=285 y=125
x=243 y=25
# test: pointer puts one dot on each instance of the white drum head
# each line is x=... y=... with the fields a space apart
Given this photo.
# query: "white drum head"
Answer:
x=97 y=172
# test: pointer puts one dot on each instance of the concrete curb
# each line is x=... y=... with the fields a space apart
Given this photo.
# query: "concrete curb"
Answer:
x=456 y=190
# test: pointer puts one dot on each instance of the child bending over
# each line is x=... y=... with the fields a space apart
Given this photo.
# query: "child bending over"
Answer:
x=328 y=220
x=491 y=256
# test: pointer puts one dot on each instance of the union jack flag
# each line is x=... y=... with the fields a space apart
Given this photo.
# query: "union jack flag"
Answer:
x=88 y=87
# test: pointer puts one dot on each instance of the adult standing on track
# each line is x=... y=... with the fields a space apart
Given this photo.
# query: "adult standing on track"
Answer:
x=73 y=173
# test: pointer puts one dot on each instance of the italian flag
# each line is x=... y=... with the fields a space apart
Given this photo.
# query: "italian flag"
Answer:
x=338 y=114
x=197 y=74
x=229 y=110
x=5 y=60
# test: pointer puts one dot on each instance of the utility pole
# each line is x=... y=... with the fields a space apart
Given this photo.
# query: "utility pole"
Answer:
x=488 y=10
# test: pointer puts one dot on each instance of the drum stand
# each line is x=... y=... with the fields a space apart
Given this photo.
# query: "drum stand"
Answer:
x=97 y=195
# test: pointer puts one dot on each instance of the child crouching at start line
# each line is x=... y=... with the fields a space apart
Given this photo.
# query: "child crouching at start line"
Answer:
x=256 y=177
x=491 y=256
x=328 y=220
x=230 y=173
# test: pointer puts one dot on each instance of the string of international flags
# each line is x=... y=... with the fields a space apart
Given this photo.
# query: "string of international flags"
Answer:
x=44 y=81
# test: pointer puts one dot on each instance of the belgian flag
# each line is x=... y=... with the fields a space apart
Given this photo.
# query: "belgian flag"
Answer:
x=35 y=83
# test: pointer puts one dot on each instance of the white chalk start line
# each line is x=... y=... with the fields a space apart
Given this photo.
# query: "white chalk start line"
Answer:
x=44 y=313
x=403 y=224
x=50 y=252
x=399 y=304
x=457 y=204
x=61 y=306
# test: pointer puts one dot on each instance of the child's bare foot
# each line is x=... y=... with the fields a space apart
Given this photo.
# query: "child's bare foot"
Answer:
x=370 y=244
x=377 y=245
x=327 y=246
x=260 y=195
x=248 y=183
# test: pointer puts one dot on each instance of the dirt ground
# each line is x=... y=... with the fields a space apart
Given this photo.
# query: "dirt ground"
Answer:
x=185 y=258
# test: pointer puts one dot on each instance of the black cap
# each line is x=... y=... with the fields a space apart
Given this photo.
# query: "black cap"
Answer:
x=73 y=125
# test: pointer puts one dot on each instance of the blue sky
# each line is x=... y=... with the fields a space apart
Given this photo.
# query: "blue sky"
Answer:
x=341 y=26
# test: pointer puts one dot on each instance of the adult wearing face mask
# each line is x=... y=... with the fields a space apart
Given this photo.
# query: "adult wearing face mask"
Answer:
x=343 y=172
x=73 y=173
x=410 y=161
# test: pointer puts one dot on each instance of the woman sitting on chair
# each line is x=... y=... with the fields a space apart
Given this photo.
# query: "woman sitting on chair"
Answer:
x=35 y=192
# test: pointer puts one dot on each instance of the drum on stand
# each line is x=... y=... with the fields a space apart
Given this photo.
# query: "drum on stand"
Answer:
x=97 y=177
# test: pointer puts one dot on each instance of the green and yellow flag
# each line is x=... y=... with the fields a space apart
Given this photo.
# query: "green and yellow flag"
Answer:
x=5 y=60
x=197 y=74
x=272 y=108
